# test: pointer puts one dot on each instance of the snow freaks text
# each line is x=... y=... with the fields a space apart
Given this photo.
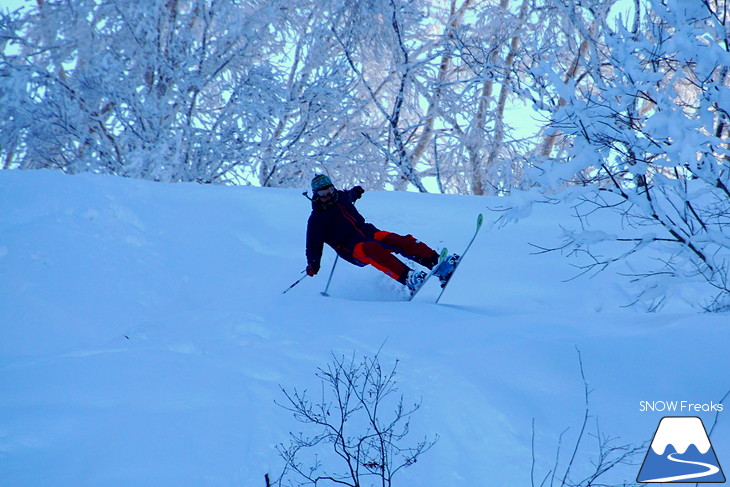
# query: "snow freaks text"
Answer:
x=679 y=407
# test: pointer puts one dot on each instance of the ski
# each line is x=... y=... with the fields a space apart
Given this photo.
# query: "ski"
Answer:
x=480 y=219
x=442 y=256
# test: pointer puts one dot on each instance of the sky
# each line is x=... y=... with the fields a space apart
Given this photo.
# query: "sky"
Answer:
x=14 y=4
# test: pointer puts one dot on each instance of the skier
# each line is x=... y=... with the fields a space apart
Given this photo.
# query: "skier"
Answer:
x=336 y=222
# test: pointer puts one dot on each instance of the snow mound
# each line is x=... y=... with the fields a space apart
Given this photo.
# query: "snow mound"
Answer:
x=144 y=337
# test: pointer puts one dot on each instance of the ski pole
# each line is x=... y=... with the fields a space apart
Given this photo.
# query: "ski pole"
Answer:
x=296 y=282
x=324 y=293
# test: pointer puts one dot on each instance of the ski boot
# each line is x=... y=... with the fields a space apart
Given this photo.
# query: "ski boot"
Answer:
x=446 y=268
x=415 y=280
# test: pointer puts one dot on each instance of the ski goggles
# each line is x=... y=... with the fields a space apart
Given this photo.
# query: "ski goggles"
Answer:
x=326 y=192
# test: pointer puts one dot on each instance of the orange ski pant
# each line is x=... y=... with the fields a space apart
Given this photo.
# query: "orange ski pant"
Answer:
x=379 y=253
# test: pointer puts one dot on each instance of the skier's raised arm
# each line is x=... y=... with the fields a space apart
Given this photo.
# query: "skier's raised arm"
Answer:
x=355 y=193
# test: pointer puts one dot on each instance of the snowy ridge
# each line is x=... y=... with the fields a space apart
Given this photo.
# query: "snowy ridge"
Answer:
x=144 y=338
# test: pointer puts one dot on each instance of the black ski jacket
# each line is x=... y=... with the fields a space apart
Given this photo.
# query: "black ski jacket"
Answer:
x=339 y=225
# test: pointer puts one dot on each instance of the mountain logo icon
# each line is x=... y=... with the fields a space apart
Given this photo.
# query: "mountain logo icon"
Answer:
x=681 y=452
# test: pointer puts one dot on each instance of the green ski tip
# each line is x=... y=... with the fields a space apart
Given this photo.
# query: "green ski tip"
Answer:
x=444 y=253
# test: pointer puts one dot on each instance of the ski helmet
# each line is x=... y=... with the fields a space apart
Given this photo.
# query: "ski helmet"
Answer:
x=320 y=181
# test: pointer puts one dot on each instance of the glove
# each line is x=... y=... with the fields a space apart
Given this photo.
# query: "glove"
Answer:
x=358 y=191
x=312 y=270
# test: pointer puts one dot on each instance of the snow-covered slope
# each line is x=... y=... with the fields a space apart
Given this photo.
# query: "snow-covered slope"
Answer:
x=144 y=338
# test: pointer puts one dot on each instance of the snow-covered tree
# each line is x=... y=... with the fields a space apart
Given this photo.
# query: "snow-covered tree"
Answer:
x=390 y=93
x=150 y=90
x=645 y=125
